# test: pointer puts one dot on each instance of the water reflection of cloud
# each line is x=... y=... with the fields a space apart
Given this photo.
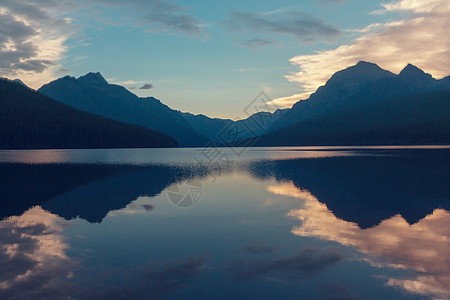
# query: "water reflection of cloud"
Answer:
x=305 y=264
x=147 y=207
x=136 y=207
x=259 y=249
x=423 y=247
x=33 y=263
x=157 y=280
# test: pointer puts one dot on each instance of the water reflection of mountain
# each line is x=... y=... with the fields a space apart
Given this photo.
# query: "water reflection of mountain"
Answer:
x=87 y=191
x=360 y=189
x=23 y=186
x=369 y=189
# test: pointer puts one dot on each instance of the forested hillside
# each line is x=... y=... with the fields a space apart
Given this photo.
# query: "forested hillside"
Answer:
x=30 y=120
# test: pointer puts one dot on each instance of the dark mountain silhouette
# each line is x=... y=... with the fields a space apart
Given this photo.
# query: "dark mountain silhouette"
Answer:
x=359 y=86
x=418 y=78
x=417 y=119
x=224 y=132
x=328 y=97
x=369 y=189
x=445 y=81
x=18 y=81
x=364 y=86
x=92 y=93
x=367 y=105
x=260 y=122
x=363 y=83
x=30 y=120
x=209 y=127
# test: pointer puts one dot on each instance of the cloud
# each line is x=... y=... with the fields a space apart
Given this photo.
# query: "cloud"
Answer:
x=146 y=86
x=79 y=58
x=421 y=38
x=127 y=82
x=302 y=26
x=305 y=264
x=286 y=102
x=160 y=15
x=32 y=37
x=255 y=43
x=441 y=7
x=242 y=70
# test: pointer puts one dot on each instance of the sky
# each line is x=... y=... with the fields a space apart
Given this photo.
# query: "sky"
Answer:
x=215 y=57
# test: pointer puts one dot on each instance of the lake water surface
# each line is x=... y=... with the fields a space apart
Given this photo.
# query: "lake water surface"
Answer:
x=258 y=223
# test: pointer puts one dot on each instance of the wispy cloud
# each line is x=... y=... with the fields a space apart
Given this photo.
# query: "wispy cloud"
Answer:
x=421 y=38
x=286 y=102
x=128 y=82
x=78 y=58
x=255 y=43
x=302 y=26
x=242 y=70
x=306 y=264
x=160 y=15
x=156 y=280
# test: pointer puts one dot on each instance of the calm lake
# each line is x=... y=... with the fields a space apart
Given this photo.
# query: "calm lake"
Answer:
x=257 y=223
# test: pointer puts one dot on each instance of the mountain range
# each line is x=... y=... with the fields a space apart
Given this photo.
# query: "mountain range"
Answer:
x=366 y=105
x=362 y=104
x=30 y=120
x=92 y=93
x=364 y=83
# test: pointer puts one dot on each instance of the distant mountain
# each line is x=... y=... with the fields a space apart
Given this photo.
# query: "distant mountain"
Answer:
x=92 y=93
x=417 y=119
x=18 y=81
x=364 y=83
x=418 y=78
x=31 y=120
x=355 y=88
x=365 y=105
x=340 y=86
x=445 y=81
x=225 y=131
x=209 y=127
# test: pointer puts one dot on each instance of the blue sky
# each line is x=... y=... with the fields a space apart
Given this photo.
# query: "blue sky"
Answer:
x=215 y=57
